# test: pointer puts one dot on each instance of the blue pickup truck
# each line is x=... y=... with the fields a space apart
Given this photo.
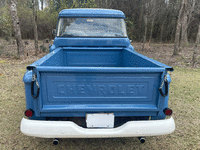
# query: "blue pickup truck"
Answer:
x=93 y=84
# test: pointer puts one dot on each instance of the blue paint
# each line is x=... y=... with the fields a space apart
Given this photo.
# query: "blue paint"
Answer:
x=95 y=75
x=90 y=42
x=99 y=13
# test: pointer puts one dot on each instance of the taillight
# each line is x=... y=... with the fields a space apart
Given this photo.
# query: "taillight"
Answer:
x=167 y=111
x=29 y=113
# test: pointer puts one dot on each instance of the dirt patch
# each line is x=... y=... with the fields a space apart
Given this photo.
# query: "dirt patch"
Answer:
x=164 y=54
x=8 y=50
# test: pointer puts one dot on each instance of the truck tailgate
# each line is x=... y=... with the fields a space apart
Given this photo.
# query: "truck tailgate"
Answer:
x=76 y=91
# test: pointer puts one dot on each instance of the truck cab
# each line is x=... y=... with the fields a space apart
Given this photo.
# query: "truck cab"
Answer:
x=93 y=84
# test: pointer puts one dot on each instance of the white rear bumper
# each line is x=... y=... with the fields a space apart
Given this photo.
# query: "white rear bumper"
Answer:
x=68 y=129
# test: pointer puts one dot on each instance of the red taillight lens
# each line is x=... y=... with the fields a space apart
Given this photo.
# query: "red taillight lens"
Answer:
x=167 y=111
x=29 y=113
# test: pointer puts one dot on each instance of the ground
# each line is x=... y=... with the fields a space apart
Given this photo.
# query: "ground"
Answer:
x=184 y=101
x=164 y=53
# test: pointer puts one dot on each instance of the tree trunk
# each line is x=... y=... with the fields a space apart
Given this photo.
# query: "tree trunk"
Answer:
x=184 y=35
x=35 y=27
x=106 y=3
x=145 y=24
x=162 y=30
x=10 y=32
x=198 y=35
x=152 y=24
x=42 y=4
x=172 y=37
x=145 y=33
x=16 y=27
x=194 y=58
x=190 y=16
x=101 y=4
x=140 y=18
x=110 y=4
x=97 y=3
x=178 y=30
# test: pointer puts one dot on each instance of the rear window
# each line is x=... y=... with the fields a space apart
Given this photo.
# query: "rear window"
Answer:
x=91 y=27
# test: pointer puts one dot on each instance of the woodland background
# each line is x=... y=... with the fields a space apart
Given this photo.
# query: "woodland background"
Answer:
x=165 y=30
x=148 y=21
x=160 y=16
x=158 y=21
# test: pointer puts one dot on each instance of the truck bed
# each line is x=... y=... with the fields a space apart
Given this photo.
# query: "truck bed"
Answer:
x=77 y=81
x=96 y=57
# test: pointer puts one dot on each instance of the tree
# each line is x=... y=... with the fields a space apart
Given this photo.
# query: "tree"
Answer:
x=157 y=20
x=163 y=20
x=35 y=27
x=42 y=4
x=46 y=2
x=178 y=29
x=16 y=27
x=141 y=6
x=153 y=11
x=184 y=25
x=5 y=21
x=84 y=4
x=186 y=20
x=145 y=24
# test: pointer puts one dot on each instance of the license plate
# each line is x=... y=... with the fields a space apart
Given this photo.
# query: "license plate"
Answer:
x=101 y=120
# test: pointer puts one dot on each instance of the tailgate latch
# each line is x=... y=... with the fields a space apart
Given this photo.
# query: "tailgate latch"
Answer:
x=34 y=79
x=166 y=87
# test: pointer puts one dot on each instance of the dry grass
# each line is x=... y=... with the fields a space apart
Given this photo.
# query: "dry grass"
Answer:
x=184 y=100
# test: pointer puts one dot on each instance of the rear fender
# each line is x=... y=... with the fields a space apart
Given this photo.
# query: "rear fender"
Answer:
x=163 y=102
x=31 y=103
